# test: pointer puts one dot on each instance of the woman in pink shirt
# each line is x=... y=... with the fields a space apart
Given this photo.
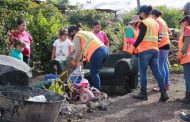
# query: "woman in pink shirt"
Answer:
x=96 y=29
x=24 y=36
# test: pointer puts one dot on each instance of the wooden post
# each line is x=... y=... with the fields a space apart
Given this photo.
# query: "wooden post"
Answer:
x=138 y=4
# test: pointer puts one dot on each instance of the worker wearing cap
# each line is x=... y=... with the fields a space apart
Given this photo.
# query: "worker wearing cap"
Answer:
x=184 y=55
x=147 y=43
x=131 y=34
x=185 y=116
x=87 y=45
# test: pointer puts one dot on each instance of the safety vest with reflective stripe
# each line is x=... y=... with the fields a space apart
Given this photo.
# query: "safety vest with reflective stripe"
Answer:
x=186 y=58
x=128 y=42
x=150 y=40
x=89 y=43
x=163 y=33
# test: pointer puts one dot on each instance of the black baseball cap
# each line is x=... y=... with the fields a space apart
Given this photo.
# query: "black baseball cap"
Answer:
x=145 y=9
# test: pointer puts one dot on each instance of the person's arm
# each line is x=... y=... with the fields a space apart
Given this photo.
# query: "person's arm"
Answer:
x=53 y=53
x=186 y=44
x=11 y=40
x=141 y=35
x=70 y=50
x=106 y=40
x=78 y=52
x=186 y=40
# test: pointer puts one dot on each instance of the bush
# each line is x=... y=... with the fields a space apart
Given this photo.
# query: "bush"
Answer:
x=44 y=29
x=44 y=22
x=117 y=38
x=10 y=11
x=171 y=15
x=87 y=17
x=176 y=68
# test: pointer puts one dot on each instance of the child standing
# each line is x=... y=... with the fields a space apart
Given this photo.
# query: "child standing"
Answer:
x=62 y=47
x=18 y=48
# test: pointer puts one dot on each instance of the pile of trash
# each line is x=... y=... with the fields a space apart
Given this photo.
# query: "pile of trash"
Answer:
x=77 y=111
x=20 y=102
x=75 y=88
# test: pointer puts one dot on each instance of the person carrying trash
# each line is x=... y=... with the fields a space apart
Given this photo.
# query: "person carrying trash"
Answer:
x=147 y=43
x=86 y=45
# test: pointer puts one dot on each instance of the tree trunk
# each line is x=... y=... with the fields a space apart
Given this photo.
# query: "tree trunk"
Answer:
x=138 y=4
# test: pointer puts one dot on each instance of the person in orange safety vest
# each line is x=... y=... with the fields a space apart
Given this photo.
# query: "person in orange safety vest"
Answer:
x=147 y=44
x=164 y=46
x=184 y=55
x=131 y=34
x=87 y=44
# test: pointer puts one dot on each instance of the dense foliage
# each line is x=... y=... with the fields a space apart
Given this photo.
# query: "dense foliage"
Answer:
x=170 y=15
x=87 y=17
x=44 y=21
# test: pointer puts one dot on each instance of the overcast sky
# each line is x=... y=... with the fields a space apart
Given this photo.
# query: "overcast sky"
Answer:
x=169 y=3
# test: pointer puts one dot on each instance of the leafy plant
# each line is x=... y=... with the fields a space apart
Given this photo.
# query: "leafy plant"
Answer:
x=117 y=38
x=87 y=17
x=44 y=21
x=171 y=15
x=44 y=29
x=55 y=87
x=176 y=68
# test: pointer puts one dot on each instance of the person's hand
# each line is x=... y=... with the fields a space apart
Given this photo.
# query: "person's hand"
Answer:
x=180 y=56
x=131 y=50
x=52 y=58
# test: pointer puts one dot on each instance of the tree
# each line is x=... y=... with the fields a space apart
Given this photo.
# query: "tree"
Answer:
x=138 y=3
x=44 y=21
x=61 y=2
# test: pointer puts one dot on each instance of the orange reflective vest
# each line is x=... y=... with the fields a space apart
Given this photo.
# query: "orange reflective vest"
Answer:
x=186 y=58
x=150 y=40
x=89 y=43
x=163 y=32
x=127 y=46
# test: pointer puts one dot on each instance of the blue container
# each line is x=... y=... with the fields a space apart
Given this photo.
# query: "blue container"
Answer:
x=76 y=79
x=50 y=77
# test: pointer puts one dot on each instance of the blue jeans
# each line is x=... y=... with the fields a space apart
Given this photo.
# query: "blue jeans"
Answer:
x=186 y=70
x=163 y=65
x=97 y=60
x=145 y=59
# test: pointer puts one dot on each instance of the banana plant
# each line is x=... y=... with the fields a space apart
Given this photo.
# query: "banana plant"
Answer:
x=118 y=37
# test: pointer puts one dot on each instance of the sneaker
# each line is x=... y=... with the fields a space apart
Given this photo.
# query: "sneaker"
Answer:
x=184 y=116
x=157 y=89
x=141 y=95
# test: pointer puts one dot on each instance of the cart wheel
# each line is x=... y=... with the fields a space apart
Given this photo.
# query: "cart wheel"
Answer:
x=85 y=96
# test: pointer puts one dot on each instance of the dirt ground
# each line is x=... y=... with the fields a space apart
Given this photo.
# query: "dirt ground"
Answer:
x=126 y=109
